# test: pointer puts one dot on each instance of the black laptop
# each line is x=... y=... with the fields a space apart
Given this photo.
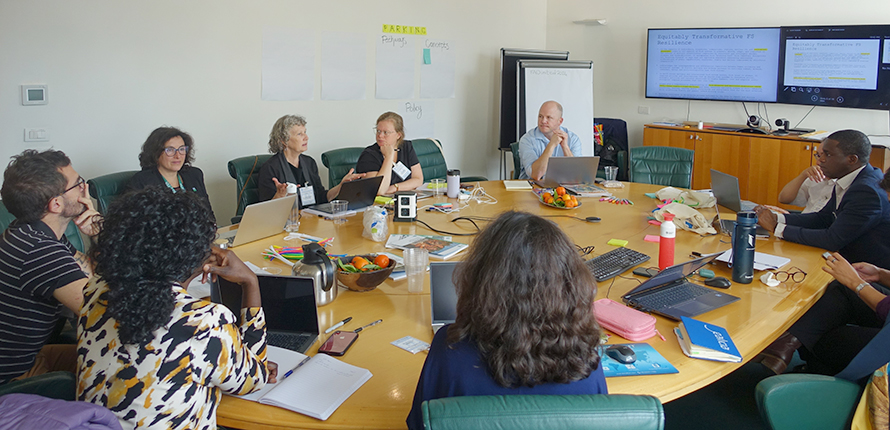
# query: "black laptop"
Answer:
x=726 y=191
x=360 y=194
x=669 y=293
x=443 y=296
x=288 y=303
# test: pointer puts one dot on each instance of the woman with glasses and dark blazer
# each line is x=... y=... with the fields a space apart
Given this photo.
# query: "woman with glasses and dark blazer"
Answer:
x=166 y=161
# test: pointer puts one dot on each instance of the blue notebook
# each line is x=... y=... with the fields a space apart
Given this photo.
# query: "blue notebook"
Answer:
x=649 y=362
x=707 y=341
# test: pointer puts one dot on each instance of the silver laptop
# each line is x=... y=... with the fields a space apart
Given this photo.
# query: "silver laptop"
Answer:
x=288 y=303
x=260 y=221
x=443 y=296
x=669 y=293
x=726 y=190
x=360 y=194
x=570 y=171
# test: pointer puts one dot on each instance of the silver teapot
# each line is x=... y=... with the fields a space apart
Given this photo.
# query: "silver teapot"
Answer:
x=317 y=265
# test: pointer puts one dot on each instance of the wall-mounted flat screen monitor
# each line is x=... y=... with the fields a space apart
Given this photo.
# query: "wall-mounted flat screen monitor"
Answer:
x=840 y=66
x=727 y=64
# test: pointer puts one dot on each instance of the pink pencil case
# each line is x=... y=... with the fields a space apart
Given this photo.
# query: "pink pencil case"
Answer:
x=628 y=323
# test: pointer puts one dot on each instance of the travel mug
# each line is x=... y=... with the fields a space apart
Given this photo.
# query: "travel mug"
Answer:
x=452 y=183
x=743 y=237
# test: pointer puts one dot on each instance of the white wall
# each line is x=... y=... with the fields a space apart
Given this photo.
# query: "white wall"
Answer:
x=618 y=51
x=118 y=69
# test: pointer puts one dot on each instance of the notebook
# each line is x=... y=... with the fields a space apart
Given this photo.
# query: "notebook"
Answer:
x=443 y=296
x=360 y=194
x=669 y=293
x=569 y=171
x=289 y=305
x=260 y=220
x=726 y=190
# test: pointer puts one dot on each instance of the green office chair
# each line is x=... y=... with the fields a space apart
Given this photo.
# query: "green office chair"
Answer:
x=72 y=232
x=55 y=385
x=432 y=161
x=596 y=411
x=245 y=171
x=514 y=148
x=338 y=162
x=661 y=165
x=804 y=401
x=106 y=188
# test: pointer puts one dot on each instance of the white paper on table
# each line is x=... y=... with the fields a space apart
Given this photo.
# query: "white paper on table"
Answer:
x=761 y=261
x=419 y=118
x=343 y=63
x=437 y=77
x=288 y=64
x=395 y=66
x=285 y=359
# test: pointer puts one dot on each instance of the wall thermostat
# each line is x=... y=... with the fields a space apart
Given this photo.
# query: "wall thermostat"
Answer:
x=34 y=95
x=405 y=206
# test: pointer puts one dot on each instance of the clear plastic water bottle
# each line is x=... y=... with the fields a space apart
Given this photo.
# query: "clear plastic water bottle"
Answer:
x=744 y=236
x=293 y=220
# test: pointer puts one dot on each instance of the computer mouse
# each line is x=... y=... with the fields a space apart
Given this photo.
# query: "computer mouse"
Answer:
x=622 y=354
x=718 y=282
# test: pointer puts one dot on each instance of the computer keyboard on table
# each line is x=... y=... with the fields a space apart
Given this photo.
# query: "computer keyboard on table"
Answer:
x=614 y=263
x=291 y=341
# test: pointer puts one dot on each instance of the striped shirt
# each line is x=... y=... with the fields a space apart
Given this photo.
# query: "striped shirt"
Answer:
x=33 y=263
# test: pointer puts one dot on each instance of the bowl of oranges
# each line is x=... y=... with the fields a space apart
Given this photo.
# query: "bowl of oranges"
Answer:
x=557 y=198
x=364 y=272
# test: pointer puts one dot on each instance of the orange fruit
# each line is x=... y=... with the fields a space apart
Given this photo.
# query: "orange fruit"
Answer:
x=382 y=261
x=560 y=191
x=359 y=262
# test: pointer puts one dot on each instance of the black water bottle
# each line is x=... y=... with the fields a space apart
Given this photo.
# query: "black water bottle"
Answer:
x=743 y=237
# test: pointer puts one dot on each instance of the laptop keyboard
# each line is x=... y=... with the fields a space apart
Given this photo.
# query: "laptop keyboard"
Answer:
x=293 y=341
x=614 y=263
x=670 y=296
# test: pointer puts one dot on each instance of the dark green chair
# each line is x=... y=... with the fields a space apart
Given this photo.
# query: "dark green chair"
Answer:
x=514 y=148
x=519 y=412
x=105 y=189
x=432 y=161
x=338 y=162
x=72 y=232
x=804 y=401
x=661 y=165
x=245 y=171
x=55 y=385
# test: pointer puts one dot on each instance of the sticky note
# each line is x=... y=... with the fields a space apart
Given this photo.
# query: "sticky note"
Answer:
x=652 y=238
x=617 y=242
x=650 y=195
x=426 y=56
x=655 y=222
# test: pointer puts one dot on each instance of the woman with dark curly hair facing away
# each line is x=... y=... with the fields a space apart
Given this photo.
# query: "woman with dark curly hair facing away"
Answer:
x=147 y=350
x=524 y=322
x=166 y=161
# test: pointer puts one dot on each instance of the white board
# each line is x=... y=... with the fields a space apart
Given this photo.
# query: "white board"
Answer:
x=570 y=83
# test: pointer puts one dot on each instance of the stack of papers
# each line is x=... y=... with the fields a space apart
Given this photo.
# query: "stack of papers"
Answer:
x=440 y=247
x=761 y=261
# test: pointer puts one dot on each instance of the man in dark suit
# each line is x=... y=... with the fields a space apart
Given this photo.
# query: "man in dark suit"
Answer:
x=855 y=223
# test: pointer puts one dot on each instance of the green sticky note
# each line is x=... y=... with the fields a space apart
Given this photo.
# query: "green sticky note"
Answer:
x=426 y=56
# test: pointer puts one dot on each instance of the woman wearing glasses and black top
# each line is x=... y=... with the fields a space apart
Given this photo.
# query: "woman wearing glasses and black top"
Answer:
x=391 y=157
x=166 y=160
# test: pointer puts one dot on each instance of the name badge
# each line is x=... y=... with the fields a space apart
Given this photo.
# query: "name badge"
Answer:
x=401 y=170
x=307 y=196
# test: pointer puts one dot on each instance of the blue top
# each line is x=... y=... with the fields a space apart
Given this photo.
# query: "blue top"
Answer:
x=532 y=145
x=460 y=371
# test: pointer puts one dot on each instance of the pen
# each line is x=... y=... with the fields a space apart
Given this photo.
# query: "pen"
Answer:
x=289 y=372
x=369 y=325
x=338 y=325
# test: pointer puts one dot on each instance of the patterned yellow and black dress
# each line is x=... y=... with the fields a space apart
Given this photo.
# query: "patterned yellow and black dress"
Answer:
x=174 y=381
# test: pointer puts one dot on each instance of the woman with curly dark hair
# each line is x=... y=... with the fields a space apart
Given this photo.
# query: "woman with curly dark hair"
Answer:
x=149 y=351
x=524 y=322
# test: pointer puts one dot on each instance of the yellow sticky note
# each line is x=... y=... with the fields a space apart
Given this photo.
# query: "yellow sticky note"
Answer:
x=618 y=242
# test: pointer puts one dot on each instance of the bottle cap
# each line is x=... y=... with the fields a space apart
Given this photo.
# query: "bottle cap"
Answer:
x=668 y=216
x=746 y=218
x=454 y=172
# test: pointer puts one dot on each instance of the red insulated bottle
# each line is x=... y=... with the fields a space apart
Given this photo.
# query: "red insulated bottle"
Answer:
x=666 y=242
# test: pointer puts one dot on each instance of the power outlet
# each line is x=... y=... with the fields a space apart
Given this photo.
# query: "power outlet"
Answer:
x=37 y=134
x=643 y=110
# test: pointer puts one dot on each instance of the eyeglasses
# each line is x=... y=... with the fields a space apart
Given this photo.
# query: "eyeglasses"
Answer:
x=170 y=151
x=795 y=274
x=383 y=132
x=79 y=183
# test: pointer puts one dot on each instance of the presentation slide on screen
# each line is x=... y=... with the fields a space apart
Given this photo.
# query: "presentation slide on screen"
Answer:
x=832 y=63
x=886 y=57
x=725 y=64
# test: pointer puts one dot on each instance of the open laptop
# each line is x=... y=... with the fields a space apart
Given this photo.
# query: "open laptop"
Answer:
x=288 y=303
x=443 y=296
x=726 y=190
x=570 y=171
x=669 y=293
x=260 y=220
x=360 y=194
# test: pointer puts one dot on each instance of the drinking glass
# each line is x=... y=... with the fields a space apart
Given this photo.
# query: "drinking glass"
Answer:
x=611 y=173
x=338 y=207
x=416 y=260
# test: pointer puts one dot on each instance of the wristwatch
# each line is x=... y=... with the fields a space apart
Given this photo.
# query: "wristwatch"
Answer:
x=397 y=187
x=860 y=287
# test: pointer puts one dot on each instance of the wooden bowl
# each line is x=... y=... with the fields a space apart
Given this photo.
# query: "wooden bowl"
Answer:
x=364 y=281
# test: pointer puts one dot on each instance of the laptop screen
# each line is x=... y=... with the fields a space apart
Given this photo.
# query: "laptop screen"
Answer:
x=726 y=190
x=443 y=296
x=288 y=302
x=674 y=273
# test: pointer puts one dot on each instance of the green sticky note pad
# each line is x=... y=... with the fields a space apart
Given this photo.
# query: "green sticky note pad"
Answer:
x=650 y=195
x=426 y=56
x=617 y=242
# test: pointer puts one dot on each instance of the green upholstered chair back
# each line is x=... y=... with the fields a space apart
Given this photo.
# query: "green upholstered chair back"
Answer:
x=55 y=385
x=72 y=232
x=575 y=412
x=106 y=188
x=245 y=171
x=432 y=161
x=514 y=148
x=338 y=162
x=661 y=165
x=804 y=401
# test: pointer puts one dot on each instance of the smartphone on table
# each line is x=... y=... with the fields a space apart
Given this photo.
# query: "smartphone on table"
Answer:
x=338 y=343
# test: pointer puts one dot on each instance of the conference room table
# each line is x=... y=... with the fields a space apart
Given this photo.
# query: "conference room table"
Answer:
x=762 y=314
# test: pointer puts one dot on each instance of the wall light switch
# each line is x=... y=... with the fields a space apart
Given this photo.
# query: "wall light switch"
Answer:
x=35 y=95
x=37 y=134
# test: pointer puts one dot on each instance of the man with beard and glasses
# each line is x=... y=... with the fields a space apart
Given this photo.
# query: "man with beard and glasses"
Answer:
x=40 y=271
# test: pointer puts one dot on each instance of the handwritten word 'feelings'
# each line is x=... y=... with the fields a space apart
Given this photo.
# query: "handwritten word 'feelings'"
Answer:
x=398 y=42
x=411 y=107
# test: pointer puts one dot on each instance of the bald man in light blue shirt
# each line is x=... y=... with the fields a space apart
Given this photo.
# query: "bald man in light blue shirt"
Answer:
x=548 y=139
